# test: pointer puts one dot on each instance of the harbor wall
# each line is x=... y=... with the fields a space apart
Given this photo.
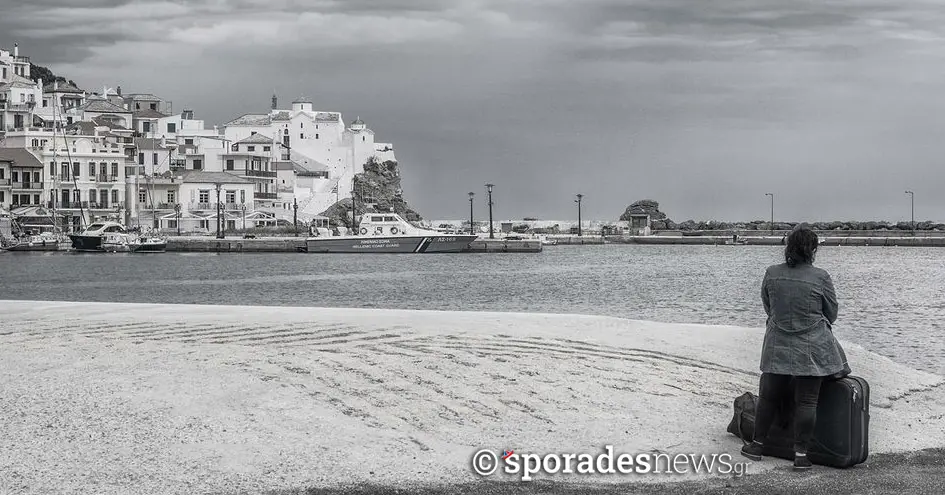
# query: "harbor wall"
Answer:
x=236 y=245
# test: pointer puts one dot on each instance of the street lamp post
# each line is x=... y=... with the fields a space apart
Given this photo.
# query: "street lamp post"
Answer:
x=489 y=188
x=578 y=201
x=472 y=230
x=177 y=217
x=772 y=212
x=219 y=220
x=295 y=215
x=912 y=198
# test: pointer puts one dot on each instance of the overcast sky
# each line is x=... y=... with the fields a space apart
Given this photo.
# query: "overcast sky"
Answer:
x=834 y=106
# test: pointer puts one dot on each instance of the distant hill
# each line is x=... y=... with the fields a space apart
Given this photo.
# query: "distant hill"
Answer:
x=39 y=72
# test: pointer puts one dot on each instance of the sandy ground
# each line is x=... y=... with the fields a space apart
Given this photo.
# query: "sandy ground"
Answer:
x=132 y=398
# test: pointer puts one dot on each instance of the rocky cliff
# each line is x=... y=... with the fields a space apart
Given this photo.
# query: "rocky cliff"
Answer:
x=377 y=189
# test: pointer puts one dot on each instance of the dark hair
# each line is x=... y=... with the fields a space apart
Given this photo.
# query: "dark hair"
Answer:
x=801 y=246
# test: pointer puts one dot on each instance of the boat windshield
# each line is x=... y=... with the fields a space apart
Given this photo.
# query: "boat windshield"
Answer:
x=95 y=226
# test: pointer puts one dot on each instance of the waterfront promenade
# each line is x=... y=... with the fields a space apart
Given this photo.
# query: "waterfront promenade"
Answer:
x=106 y=398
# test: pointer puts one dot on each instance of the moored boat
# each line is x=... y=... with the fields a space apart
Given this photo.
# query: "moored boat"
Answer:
x=47 y=241
x=389 y=233
x=148 y=244
x=92 y=237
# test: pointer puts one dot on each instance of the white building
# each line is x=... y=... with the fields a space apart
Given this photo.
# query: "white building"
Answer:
x=18 y=93
x=82 y=176
x=321 y=148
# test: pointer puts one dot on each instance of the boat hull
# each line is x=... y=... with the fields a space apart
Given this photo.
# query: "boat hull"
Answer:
x=39 y=246
x=149 y=248
x=87 y=243
x=390 y=244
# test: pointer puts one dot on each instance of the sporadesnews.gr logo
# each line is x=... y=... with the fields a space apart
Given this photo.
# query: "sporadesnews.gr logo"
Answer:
x=487 y=462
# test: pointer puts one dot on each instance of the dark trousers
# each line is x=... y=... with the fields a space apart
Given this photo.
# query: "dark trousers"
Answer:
x=774 y=390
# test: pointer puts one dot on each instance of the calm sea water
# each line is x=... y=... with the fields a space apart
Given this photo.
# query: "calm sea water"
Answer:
x=892 y=300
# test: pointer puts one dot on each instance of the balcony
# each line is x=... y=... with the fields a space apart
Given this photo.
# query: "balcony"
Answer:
x=107 y=178
x=156 y=206
x=202 y=206
x=17 y=107
x=259 y=173
x=265 y=195
x=104 y=205
x=4 y=182
x=28 y=186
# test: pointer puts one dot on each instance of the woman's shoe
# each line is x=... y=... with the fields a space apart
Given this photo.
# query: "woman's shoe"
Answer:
x=801 y=462
x=753 y=451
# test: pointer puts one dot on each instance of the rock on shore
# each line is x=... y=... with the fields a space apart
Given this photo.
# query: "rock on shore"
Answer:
x=119 y=398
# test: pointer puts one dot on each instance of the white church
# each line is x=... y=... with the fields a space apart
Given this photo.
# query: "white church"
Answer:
x=323 y=152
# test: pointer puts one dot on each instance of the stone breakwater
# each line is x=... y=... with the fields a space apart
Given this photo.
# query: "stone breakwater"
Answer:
x=123 y=398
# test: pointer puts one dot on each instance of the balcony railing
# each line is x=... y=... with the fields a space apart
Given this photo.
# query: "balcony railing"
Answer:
x=28 y=186
x=107 y=178
x=5 y=182
x=17 y=107
x=258 y=173
x=265 y=195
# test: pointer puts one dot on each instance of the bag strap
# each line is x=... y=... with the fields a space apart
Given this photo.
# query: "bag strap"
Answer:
x=741 y=414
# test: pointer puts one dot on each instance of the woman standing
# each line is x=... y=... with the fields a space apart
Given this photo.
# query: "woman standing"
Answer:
x=799 y=348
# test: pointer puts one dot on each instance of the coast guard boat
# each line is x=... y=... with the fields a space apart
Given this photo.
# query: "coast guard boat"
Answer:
x=389 y=233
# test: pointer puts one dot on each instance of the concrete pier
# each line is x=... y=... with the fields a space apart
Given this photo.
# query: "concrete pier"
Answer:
x=504 y=246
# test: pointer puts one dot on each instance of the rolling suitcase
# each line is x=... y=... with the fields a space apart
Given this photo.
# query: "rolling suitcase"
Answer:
x=841 y=437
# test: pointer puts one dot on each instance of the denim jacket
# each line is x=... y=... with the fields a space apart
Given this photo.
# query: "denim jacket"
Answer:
x=802 y=306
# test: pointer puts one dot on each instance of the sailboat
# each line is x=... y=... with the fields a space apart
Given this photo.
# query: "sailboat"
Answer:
x=45 y=241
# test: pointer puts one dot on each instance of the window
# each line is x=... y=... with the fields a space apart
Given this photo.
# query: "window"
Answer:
x=115 y=170
x=92 y=193
x=242 y=195
x=204 y=195
x=301 y=136
x=250 y=148
x=36 y=199
x=316 y=135
x=2 y=172
x=154 y=159
x=266 y=148
x=154 y=106
x=75 y=170
x=234 y=148
x=198 y=164
x=16 y=176
x=115 y=196
x=229 y=164
x=362 y=138
x=36 y=177
x=171 y=197
x=64 y=168
x=171 y=127
x=45 y=103
x=137 y=106
x=76 y=195
x=146 y=126
x=52 y=169
x=2 y=199
x=91 y=171
x=142 y=196
x=141 y=158
x=189 y=142
x=231 y=196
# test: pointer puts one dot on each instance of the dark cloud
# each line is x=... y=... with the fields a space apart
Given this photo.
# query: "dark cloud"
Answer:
x=833 y=105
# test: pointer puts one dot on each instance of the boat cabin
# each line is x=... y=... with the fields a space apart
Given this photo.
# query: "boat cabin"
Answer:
x=100 y=228
x=385 y=224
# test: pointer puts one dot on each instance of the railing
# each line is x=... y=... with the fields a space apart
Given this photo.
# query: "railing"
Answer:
x=107 y=178
x=265 y=195
x=5 y=182
x=258 y=173
x=29 y=186
x=16 y=107
x=202 y=206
